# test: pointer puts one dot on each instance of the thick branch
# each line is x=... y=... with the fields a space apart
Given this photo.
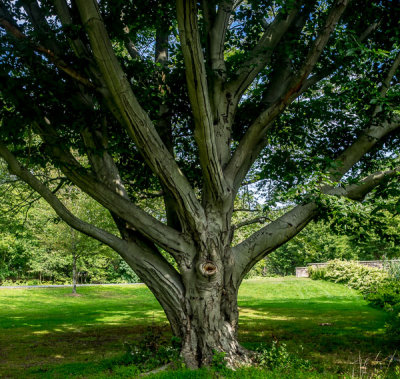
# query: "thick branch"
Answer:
x=91 y=230
x=64 y=15
x=162 y=279
x=254 y=140
x=223 y=109
x=114 y=199
x=102 y=163
x=216 y=36
x=199 y=98
x=270 y=237
x=283 y=70
x=389 y=77
x=135 y=119
x=148 y=263
x=358 y=191
x=59 y=62
x=261 y=55
x=368 y=139
x=273 y=235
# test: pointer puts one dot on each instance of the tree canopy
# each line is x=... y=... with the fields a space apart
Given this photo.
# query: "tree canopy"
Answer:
x=194 y=102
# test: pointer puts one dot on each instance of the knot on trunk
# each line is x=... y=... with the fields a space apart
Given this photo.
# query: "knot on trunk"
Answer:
x=208 y=268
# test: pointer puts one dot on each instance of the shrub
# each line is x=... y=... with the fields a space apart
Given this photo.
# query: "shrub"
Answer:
x=362 y=278
x=316 y=273
x=393 y=322
x=393 y=269
x=151 y=351
x=277 y=357
x=386 y=294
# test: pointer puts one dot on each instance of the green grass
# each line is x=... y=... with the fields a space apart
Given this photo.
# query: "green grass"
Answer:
x=49 y=333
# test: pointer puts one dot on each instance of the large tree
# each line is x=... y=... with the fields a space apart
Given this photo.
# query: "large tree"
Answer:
x=191 y=101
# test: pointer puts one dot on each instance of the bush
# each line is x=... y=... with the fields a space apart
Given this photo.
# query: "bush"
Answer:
x=386 y=294
x=362 y=278
x=393 y=322
x=393 y=269
x=152 y=350
x=277 y=357
x=317 y=273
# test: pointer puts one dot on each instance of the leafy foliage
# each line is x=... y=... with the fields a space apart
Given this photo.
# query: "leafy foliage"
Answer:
x=360 y=277
x=36 y=246
x=152 y=350
x=277 y=357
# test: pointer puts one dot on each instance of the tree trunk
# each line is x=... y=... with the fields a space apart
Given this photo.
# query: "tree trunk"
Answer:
x=74 y=273
x=209 y=320
x=210 y=326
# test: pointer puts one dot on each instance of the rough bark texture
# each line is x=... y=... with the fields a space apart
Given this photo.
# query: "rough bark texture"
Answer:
x=210 y=312
x=211 y=321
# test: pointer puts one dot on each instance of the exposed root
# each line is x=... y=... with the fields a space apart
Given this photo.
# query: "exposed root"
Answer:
x=242 y=357
x=157 y=370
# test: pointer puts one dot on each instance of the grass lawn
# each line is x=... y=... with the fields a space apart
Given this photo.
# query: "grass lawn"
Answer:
x=49 y=333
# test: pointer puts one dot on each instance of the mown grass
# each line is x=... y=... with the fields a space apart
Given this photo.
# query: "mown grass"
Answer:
x=49 y=333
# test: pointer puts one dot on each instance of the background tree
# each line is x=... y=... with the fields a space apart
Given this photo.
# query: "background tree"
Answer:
x=190 y=101
x=17 y=243
x=35 y=242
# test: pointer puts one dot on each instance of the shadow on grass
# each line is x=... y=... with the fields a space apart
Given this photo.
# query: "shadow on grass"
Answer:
x=321 y=325
x=48 y=334
x=42 y=352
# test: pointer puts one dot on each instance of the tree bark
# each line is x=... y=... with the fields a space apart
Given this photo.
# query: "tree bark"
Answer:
x=74 y=273
x=205 y=316
x=74 y=258
x=210 y=324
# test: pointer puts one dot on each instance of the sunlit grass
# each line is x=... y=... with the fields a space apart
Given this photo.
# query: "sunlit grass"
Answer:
x=47 y=333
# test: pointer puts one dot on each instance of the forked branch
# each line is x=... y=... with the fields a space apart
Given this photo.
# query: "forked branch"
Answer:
x=76 y=223
x=199 y=97
x=136 y=121
x=254 y=139
x=261 y=55
x=112 y=199
x=59 y=62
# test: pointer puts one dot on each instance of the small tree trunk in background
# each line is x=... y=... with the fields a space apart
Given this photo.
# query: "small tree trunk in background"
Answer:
x=74 y=259
x=74 y=272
